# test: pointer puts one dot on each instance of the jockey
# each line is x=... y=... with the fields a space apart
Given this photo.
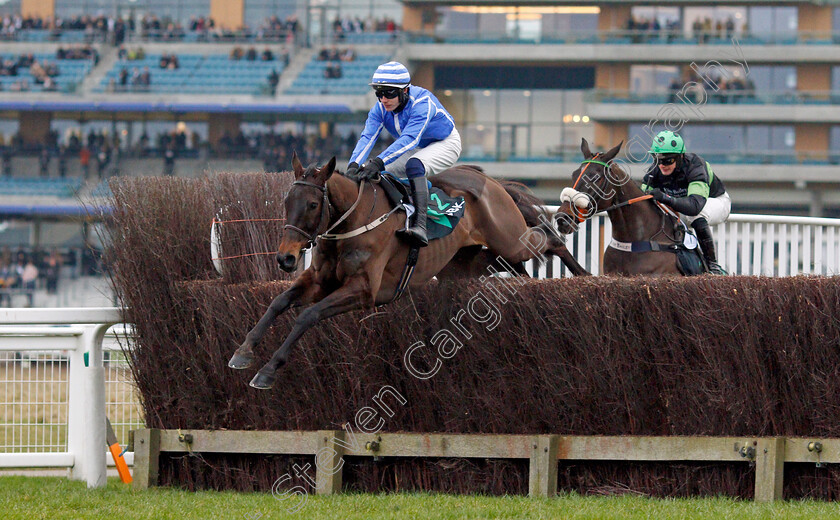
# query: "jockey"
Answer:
x=686 y=183
x=426 y=139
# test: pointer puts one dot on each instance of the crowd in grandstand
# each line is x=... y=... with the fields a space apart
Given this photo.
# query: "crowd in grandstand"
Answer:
x=347 y=25
x=715 y=87
x=702 y=30
x=25 y=270
x=117 y=30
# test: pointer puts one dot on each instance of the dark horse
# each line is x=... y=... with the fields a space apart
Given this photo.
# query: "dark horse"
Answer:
x=365 y=270
x=601 y=185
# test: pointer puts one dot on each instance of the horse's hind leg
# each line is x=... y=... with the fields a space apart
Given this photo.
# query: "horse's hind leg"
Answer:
x=351 y=296
x=302 y=291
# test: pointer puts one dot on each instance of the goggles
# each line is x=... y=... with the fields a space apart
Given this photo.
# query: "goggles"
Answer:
x=390 y=92
x=666 y=160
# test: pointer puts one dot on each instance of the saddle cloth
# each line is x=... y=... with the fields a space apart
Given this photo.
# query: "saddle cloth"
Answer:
x=444 y=212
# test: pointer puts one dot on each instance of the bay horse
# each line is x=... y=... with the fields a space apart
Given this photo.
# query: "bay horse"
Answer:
x=601 y=185
x=365 y=270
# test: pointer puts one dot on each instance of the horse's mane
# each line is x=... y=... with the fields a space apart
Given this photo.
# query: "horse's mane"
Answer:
x=529 y=204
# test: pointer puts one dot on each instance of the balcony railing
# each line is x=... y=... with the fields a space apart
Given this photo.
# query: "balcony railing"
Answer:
x=627 y=37
x=723 y=96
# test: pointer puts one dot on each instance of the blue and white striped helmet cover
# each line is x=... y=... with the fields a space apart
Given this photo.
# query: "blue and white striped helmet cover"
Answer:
x=391 y=74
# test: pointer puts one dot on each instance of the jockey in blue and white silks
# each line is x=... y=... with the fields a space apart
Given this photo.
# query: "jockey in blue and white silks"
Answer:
x=427 y=141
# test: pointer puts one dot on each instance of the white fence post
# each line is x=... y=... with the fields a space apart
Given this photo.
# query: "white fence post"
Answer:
x=86 y=392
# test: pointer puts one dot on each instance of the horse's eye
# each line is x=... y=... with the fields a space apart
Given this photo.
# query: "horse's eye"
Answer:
x=313 y=205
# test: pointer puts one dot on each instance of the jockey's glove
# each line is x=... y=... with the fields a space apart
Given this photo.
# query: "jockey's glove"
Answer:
x=661 y=196
x=372 y=169
x=352 y=171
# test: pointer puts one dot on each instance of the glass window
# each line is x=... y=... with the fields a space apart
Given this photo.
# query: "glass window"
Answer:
x=773 y=20
x=178 y=11
x=10 y=7
x=478 y=140
x=258 y=11
x=8 y=129
x=514 y=106
x=653 y=78
x=835 y=79
x=772 y=79
x=481 y=106
x=547 y=106
x=720 y=22
x=645 y=15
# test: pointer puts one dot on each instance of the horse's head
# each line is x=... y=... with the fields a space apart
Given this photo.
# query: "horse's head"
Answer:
x=593 y=188
x=307 y=211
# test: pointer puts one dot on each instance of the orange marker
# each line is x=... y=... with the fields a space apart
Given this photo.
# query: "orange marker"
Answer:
x=116 y=452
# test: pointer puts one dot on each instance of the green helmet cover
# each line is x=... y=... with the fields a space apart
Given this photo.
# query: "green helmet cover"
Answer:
x=667 y=141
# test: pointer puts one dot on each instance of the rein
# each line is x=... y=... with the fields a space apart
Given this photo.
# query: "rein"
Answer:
x=310 y=239
x=326 y=235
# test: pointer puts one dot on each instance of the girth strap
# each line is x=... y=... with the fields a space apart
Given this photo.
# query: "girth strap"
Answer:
x=643 y=246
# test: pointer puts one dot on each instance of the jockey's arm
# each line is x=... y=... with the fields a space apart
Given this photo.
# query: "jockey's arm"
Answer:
x=418 y=121
x=373 y=127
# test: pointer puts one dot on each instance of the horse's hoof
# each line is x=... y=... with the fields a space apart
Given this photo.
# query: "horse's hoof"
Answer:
x=262 y=381
x=239 y=361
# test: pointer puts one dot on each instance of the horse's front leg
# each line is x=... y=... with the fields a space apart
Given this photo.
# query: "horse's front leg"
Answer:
x=350 y=296
x=302 y=291
x=571 y=262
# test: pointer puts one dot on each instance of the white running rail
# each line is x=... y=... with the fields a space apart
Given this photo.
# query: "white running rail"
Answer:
x=49 y=333
x=761 y=245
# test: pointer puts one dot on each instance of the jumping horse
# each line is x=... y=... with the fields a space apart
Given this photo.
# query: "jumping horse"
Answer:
x=359 y=262
x=638 y=223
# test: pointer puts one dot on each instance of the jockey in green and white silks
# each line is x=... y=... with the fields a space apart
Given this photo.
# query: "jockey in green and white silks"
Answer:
x=427 y=141
x=686 y=183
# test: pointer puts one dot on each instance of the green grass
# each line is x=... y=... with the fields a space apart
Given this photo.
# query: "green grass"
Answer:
x=59 y=498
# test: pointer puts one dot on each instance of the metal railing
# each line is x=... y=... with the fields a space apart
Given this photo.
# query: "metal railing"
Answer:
x=57 y=387
x=760 y=245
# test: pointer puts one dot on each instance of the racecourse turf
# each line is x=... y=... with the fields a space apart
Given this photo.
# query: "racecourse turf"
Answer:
x=59 y=498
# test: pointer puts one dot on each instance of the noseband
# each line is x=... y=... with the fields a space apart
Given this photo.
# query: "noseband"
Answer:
x=310 y=237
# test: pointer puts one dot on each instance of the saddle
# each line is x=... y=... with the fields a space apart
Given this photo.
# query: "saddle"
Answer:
x=443 y=212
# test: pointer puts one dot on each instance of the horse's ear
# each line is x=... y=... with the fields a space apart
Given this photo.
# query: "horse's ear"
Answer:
x=584 y=147
x=610 y=155
x=326 y=172
x=297 y=166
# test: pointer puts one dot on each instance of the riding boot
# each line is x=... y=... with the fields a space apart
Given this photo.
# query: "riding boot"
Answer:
x=707 y=244
x=416 y=234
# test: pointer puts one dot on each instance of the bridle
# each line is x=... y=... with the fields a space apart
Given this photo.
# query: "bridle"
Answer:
x=602 y=188
x=666 y=211
x=325 y=207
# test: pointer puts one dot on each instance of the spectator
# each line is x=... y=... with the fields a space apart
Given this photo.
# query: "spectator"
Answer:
x=273 y=81
x=52 y=270
x=29 y=277
x=251 y=55
x=169 y=160
x=145 y=79
x=267 y=55
x=123 y=78
x=84 y=160
x=44 y=162
x=236 y=53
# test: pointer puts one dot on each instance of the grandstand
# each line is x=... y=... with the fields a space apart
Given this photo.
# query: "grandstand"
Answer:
x=525 y=82
x=199 y=74
x=354 y=78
